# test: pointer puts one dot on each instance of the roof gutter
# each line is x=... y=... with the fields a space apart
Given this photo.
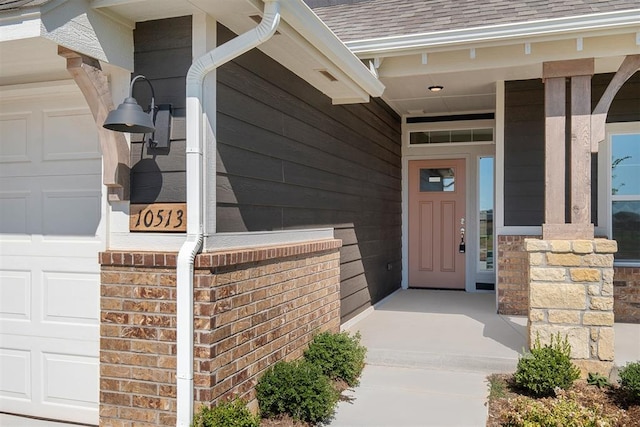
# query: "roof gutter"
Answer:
x=402 y=44
x=195 y=204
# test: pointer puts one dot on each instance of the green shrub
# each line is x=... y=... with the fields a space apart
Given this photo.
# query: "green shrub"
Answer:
x=630 y=379
x=597 y=379
x=226 y=414
x=546 y=368
x=297 y=388
x=340 y=356
x=564 y=411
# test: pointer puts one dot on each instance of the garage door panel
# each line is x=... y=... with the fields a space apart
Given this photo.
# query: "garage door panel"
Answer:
x=44 y=380
x=79 y=144
x=15 y=374
x=70 y=213
x=51 y=297
x=14 y=211
x=70 y=297
x=15 y=295
x=51 y=205
x=13 y=128
x=59 y=370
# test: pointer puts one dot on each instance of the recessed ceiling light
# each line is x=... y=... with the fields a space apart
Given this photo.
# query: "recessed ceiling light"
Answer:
x=436 y=88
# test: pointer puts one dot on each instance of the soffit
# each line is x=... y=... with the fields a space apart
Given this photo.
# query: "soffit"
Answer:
x=316 y=56
x=288 y=46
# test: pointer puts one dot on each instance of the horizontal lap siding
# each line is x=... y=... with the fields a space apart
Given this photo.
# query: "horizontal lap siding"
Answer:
x=524 y=144
x=163 y=55
x=288 y=158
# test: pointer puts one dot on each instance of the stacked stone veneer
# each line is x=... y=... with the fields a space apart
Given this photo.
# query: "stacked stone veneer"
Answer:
x=571 y=293
x=513 y=282
x=252 y=308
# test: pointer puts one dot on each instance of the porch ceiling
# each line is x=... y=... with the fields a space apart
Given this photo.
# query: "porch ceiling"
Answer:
x=469 y=74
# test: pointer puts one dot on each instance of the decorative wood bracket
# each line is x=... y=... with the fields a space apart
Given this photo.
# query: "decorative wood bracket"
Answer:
x=629 y=66
x=94 y=85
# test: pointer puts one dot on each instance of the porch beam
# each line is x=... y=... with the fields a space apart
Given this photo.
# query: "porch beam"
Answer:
x=94 y=85
x=629 y=66
x=581 y=150
x=568 y=68
x=554 y=106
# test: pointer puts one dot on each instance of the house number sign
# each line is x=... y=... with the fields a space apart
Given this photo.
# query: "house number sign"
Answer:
x=159 y=217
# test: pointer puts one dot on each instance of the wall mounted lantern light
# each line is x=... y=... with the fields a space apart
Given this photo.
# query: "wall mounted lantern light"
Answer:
x=129 y=117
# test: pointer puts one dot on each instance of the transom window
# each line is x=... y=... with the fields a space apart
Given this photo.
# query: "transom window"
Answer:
x=451 y=136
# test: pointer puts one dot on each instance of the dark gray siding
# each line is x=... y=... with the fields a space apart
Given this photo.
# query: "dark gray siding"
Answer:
x=290 y=159
x=163 y=55
x=287 y=159
x=524 y=144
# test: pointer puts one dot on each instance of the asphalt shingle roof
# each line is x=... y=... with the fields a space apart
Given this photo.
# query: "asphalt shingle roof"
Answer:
x=20 y=4
x=368 y=19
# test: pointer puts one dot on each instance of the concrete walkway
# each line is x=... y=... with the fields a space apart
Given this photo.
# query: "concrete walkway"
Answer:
x=429 y=353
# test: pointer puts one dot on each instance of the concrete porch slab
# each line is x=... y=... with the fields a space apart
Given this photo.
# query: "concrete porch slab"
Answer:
x=442 y=330
x=429 y=353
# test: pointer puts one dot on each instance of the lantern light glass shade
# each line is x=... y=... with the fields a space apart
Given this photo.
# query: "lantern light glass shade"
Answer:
x=129 y=117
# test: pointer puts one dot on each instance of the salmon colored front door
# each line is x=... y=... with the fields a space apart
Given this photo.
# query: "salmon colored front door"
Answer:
x=436 y=217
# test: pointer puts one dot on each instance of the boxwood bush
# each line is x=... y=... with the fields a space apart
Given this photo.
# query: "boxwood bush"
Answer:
x=339 y=355
x=630 y=379
x=299 y=389
x=546 y=368
x=226 y=414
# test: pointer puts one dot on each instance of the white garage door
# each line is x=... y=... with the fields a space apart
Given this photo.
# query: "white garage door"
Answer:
x=50 y=223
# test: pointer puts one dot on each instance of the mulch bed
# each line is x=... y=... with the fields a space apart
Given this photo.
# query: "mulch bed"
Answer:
x=614 y=402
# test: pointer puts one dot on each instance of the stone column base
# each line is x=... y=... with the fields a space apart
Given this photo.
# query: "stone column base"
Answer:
x=593 y=366
x=571 y=294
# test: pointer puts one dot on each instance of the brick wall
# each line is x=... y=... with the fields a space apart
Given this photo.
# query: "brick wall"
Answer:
x=513 y=275
x=513 y=282
x=626 y=292
x=252 y=308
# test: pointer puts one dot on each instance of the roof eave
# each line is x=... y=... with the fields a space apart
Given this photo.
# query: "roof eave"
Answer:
x=495 y=33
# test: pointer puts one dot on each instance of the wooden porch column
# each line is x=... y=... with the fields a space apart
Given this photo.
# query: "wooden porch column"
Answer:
x=555 y=75
x=554 y=149
x=581 y=151
x=587 y=131
x=94 y=85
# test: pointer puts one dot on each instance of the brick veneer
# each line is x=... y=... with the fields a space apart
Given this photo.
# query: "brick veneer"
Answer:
x=253 y=307
x=626 y=291
x=513 y=276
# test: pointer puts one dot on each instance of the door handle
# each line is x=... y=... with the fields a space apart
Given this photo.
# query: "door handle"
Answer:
x=462 y=247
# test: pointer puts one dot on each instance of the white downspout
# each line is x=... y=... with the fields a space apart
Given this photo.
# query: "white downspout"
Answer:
x=195 y=180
